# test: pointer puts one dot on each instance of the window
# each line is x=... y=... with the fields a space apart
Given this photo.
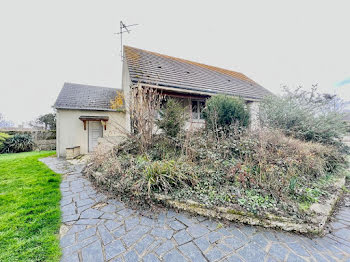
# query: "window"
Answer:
x=197 y=109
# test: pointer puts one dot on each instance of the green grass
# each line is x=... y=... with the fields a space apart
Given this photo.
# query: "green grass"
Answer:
x=29 y=208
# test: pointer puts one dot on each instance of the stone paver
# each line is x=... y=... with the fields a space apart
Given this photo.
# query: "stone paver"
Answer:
x=96 y=228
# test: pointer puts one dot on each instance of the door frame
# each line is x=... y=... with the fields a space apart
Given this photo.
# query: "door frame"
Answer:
x=86 y=119
x=88 y=131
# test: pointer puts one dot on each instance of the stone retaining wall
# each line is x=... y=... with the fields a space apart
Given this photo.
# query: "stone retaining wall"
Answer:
x=41 y=145
x=319 y=213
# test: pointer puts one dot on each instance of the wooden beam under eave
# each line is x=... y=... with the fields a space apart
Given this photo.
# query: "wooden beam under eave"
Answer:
x=104 y=123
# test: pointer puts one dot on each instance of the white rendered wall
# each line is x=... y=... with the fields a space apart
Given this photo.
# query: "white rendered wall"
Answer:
x=71 y=133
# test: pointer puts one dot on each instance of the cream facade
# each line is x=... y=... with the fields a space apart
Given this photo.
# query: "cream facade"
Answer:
x=71 y=133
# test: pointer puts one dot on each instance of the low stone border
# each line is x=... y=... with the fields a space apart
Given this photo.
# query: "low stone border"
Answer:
x=320 y=213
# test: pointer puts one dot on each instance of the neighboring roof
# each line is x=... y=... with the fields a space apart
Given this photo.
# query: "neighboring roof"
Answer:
x=157 y=69
x=85 y=97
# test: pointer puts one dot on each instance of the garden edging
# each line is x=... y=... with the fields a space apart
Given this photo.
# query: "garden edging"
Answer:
x=322 y=213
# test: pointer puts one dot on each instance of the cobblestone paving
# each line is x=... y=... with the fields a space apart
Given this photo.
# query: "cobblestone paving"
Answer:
x=96 y=228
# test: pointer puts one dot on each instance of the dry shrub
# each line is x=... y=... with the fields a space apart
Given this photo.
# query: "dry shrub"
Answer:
x=102 y=160
x=144 y=106
x=264 y=160
x=276 y=160
x=137 y=177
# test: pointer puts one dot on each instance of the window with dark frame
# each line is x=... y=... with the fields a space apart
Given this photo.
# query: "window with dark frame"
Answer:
x=197 y=109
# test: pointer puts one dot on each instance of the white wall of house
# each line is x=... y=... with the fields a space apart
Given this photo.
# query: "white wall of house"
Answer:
x=71 y=133
x=126 y=85
x=254 y=115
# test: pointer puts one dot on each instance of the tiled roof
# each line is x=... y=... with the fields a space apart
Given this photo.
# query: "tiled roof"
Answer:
x=162 y=70
x=86 y=97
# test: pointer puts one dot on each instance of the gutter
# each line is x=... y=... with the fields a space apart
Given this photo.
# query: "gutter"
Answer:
x=193 y=91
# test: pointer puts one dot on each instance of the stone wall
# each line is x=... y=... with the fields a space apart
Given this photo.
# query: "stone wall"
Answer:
x=46 y=145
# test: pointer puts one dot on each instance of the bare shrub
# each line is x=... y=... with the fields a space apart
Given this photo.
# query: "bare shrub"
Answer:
x=144 y=105
x=275 y=160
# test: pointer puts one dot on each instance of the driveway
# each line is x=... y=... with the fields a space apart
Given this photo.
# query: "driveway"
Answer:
x=96 y=228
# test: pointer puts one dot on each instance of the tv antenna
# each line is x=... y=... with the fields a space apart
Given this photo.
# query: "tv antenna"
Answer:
x=123 y=29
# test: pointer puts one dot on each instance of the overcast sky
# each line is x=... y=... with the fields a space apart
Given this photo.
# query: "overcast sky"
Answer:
x=46 y=43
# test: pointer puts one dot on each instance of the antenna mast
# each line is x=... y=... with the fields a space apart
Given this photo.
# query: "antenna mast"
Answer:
x=123 y=29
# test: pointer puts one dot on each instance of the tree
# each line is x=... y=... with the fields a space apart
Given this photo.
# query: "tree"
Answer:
x=172 y=118
x=49 y=120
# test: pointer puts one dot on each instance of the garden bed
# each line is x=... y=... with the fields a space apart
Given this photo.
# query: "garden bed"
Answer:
x=268 y=177
x=286 y=183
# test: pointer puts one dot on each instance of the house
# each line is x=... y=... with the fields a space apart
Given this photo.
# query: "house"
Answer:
x=84 y=115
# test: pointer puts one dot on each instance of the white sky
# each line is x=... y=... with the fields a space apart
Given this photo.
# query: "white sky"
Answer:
x=46 y=43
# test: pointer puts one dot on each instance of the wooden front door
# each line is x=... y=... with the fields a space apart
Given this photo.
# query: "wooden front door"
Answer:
x=95 y=132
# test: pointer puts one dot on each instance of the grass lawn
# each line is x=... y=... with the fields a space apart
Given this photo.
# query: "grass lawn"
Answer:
x=29 y=208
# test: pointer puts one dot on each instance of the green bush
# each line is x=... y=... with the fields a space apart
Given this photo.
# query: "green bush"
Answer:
x=305 y=115
x=222 y=111
x=18 y=143
x=172 y=118
x=3 y=137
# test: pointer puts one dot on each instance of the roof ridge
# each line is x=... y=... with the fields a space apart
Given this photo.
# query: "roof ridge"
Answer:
x=86 y=85
x=221 y=70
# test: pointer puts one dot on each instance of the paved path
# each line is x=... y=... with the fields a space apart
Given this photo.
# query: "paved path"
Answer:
x=99 y=229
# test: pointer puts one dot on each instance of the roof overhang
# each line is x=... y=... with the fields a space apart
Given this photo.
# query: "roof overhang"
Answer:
x=94 y=118
x=85 y=109
x=102 y=119
x=192 y=91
